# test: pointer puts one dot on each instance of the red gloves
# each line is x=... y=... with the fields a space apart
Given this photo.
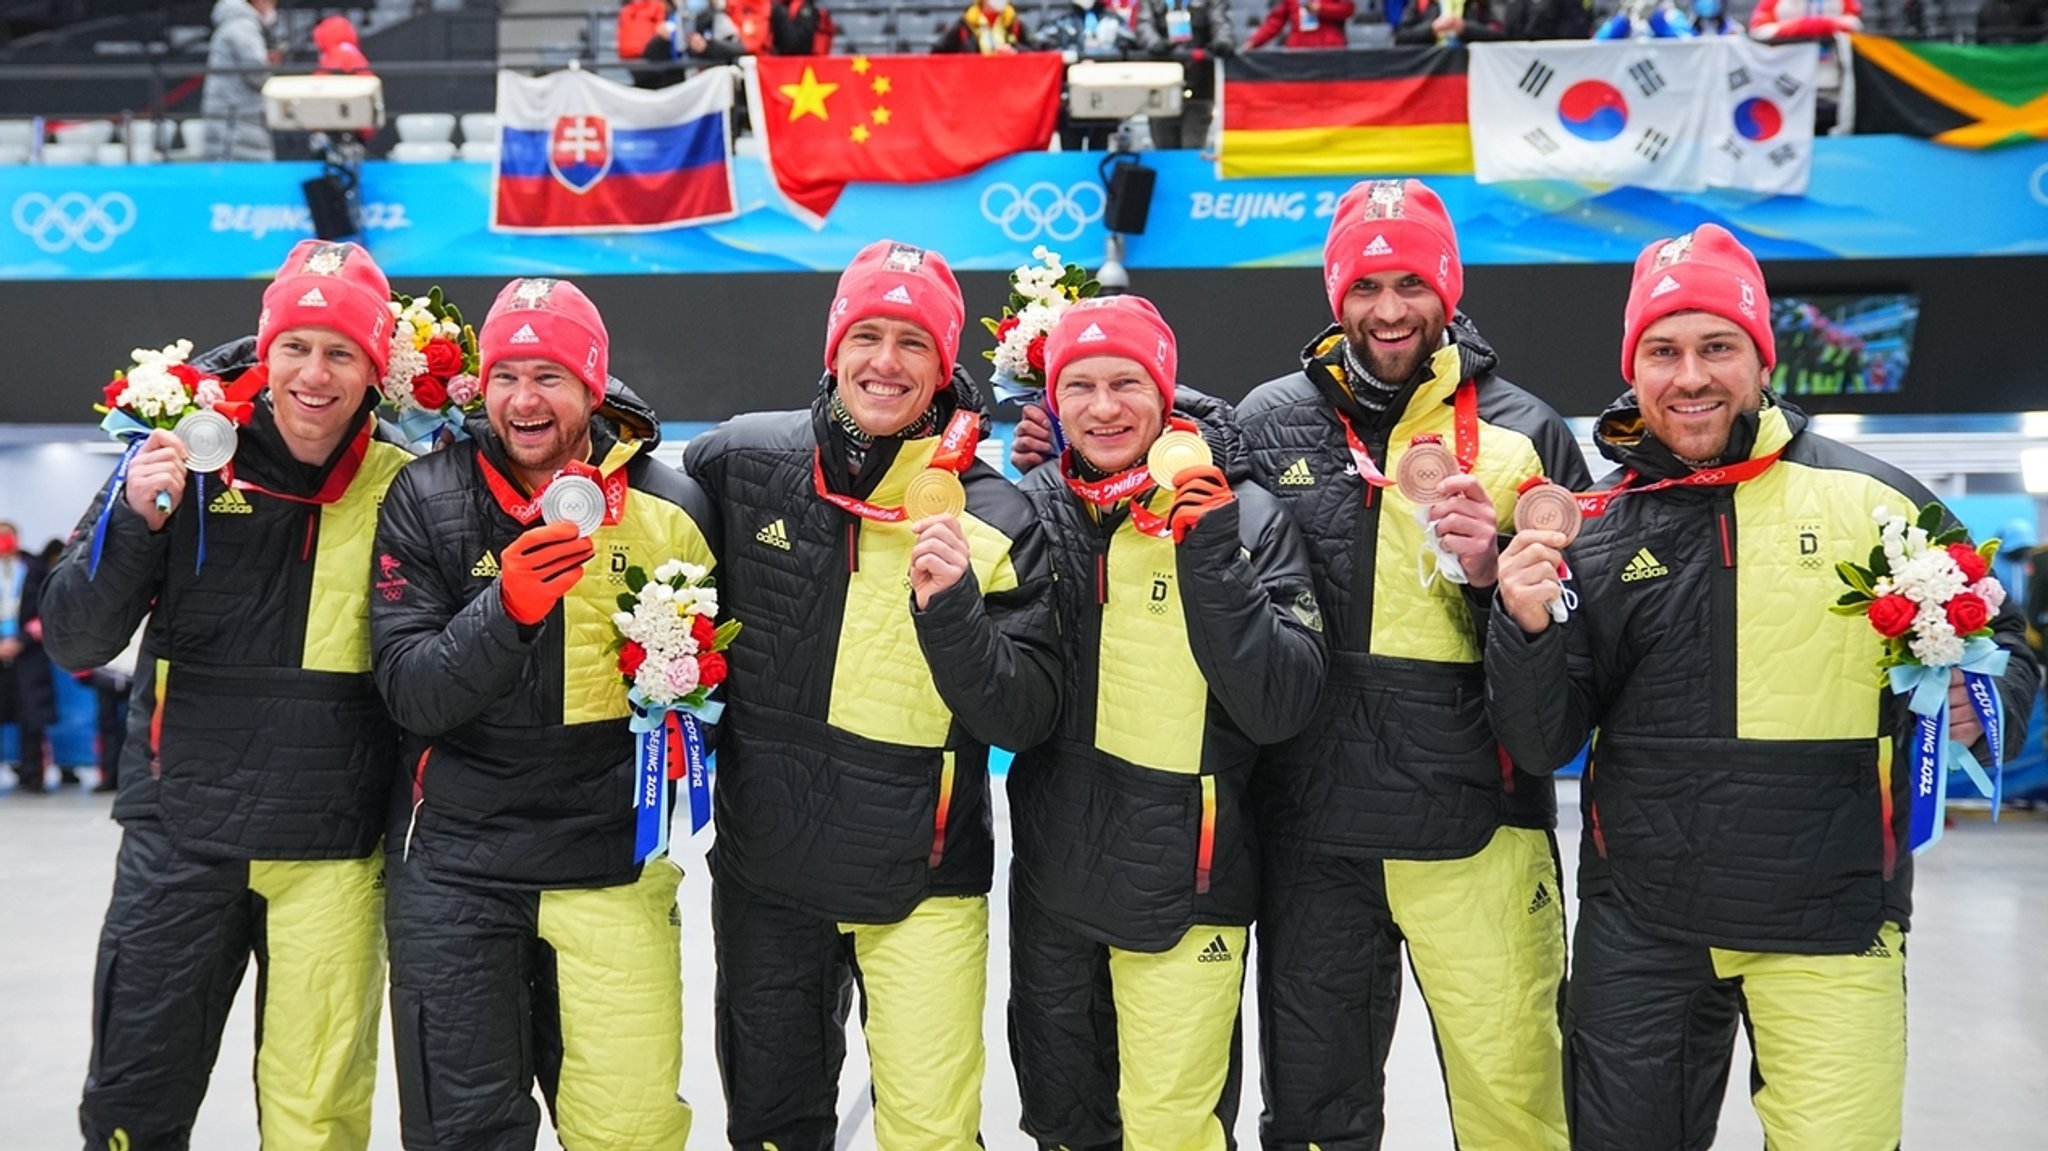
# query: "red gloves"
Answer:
x=539 y=568
x=1196 y=493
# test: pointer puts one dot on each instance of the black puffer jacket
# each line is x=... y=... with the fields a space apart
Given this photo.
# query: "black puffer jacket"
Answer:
x=1133 y=822
x=523 y=767
x=1398 y=762
x=1737 y=794
x=853 y=762
x=255 y=731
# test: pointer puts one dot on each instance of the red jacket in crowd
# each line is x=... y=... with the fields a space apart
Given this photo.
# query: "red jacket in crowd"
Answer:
x=1286 y=15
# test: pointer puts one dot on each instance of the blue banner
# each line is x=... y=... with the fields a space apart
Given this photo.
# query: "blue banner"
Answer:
x=1872 y=197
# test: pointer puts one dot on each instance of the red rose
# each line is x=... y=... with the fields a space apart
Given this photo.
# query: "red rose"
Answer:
x=702 y=630
x=1968 y=612
x=1036 y=355
x=631 y=657
x=429 y=392
x=710 y=669
x=187 y=375
x=444 y=357
x=113 y=392
x=1892 y=615
x=1003 y=329
x=1973 y=565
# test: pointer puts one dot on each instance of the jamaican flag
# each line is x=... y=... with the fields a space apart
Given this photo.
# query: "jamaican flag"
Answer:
x=1382 y=111
x=1964 y=95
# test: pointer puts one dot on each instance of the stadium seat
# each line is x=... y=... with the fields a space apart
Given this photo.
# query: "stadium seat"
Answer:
x=426 y=128
x=485 y=151
x=191 y=139
x=69 y=155
x=16 y=133
x=422 y=151
x=479 y=128
x=111 y=154
x=88 y=132
x=12 y=155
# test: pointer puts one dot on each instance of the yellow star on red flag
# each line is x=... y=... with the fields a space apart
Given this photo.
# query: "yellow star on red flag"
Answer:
x=807 y=96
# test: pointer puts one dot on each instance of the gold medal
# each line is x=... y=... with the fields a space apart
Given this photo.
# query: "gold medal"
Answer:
x=1175 y=452
x=934 y=492
x=1422 y=471
x=1548 y=507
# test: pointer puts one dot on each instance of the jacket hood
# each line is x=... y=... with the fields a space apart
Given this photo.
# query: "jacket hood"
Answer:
x=631 y=417
x=1623 y=437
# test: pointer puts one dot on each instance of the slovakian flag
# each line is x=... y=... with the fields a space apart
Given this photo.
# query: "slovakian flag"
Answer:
x=1962 y=95
x=828 y=121
x=1385 y=111
x=579 y=153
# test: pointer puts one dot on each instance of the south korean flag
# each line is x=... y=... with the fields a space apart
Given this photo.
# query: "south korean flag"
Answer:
x=1761 y=126
x=1599 y=112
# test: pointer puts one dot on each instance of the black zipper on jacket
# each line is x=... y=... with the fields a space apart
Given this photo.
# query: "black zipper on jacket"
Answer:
x=1722 y=623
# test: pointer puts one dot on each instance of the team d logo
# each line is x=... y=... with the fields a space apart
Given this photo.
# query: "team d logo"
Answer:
x=580 y=151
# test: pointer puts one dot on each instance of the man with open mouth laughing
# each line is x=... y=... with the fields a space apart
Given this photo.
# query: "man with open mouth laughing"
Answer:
x=259 y=758
x=897 y=599
x=532 y=912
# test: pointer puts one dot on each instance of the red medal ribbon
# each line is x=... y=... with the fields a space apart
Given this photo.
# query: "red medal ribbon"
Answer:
x=955 y=454
x=338 y=480
x=1104 y=494
x=1465 y=429
x=527 y=511
x=1595 y=503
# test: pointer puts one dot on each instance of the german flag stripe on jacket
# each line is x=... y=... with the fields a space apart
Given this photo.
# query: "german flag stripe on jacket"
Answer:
x=853 y=756
x=523 y=766
x=1404 y=680
x=256 y=731
x=1133 y=824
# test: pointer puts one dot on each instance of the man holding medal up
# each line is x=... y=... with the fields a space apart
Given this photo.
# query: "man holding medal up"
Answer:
x=1191 y=636
x=1746 y=856
x=898 y=608
x=258 y=758
x=532 y=915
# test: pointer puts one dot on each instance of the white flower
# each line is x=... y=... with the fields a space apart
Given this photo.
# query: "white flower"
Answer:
x=668 y=571
x=1934 y=642
x=406 y=362
x=623 y=620
x=693 y=573
x=657 y=593
x=1929 y=578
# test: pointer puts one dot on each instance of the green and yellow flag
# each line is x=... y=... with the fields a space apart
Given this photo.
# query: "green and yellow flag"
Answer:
x=1963 y=95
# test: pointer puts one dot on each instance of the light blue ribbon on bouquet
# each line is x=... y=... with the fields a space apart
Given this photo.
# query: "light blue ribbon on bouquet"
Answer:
x=1933 y=753
x=1009 y=390
x=420 y=425
x=651 y=751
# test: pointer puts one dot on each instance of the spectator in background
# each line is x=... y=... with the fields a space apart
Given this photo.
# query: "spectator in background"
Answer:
x=1190 y=31
x=27 y=698
x=730 y=29
x=1430 y=24
x=1804 y=19
x=340 y=46
x=237 y=59
x=1648 y=20
x=802 y=28
x=1710 y=18
x=1087 y=30
x=1306 y=23
x=2012 y=22
x=1549 y=19
x=988 y=27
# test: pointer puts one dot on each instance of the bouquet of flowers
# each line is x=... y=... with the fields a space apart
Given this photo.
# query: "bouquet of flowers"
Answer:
x=157 y=389
x=1039 y=292
x=431 y=383
x=1931 y=596
x=670 y=658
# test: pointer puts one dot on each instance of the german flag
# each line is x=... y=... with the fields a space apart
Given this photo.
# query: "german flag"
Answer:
x=1963 y=95
x=1383 y=111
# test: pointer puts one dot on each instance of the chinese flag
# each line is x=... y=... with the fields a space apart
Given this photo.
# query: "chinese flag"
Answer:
x=827 y=121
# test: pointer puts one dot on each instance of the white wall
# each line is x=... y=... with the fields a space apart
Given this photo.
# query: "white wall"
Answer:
x=44 y=488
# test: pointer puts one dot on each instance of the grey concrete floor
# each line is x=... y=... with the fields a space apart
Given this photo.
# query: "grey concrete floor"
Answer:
x=1978 y=1010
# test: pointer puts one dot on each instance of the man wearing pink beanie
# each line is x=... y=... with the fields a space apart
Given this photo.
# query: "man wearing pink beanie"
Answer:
x=1748 y=808
x=1196 y=640
x=1395 y=821
x=533 y=937
x=252 y=797
x=897 y=599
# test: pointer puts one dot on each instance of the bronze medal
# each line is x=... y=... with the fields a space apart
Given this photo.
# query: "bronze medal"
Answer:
x=1549 y=507
x=934 y=492
x=1422 y=471
x=1175 y=452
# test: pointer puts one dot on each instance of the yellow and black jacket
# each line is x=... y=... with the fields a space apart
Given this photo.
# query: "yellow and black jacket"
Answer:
x=853 y=754
x=255 y=729
x=1133 y=822
x=1398 y=762
x=523 y=765
x=1748 y=786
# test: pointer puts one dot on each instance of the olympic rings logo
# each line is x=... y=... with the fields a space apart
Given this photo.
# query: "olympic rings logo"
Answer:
x=1043 y=208
x=73 y=220
x=2037 y=185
